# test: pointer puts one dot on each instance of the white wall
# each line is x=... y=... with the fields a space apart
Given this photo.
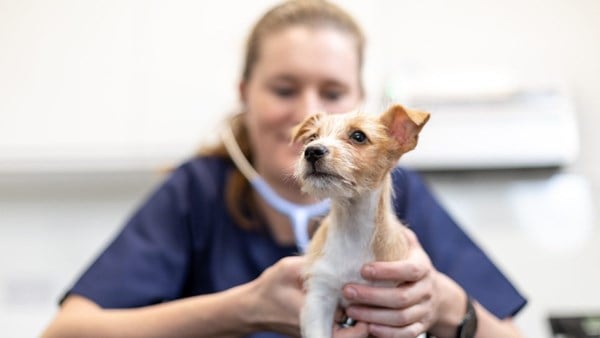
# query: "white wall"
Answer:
x=542 y=41
x=112 y=80
x=128 y=84
x=122 y=87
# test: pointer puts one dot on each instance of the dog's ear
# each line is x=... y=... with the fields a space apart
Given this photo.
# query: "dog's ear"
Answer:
x=404 y=125
x=306 y=128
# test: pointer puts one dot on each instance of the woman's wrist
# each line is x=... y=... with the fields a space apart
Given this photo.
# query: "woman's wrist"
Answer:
x=452 y=307
x=258 y=316
x=229 y=313
x=244 y=309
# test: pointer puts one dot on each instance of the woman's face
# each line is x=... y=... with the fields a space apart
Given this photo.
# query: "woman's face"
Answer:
x=299 y=71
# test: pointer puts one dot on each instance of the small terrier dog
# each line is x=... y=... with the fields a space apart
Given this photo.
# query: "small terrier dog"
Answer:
x=348 y=158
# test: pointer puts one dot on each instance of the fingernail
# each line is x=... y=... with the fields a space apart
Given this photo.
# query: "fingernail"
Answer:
x=350 y=292
x=374 y=329
x=368 y=271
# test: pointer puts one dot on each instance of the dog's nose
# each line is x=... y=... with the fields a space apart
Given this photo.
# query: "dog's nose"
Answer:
x=314 y=153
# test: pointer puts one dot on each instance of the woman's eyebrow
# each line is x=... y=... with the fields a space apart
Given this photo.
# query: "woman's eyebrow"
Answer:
x=284 y=78
x=335 y=83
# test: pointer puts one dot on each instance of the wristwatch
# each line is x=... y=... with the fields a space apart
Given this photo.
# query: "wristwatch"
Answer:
x=468 y=326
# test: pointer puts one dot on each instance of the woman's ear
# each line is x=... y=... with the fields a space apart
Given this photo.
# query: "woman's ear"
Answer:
x=242 y=88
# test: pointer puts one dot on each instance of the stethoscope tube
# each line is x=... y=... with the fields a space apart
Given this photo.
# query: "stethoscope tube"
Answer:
x=298 y=214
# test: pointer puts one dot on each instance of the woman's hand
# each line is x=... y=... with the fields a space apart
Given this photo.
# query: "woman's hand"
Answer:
x=415 y=306
x=360 y=330
x=278 y=297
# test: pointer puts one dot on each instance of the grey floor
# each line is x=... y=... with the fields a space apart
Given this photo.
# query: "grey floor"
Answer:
x=541 y=227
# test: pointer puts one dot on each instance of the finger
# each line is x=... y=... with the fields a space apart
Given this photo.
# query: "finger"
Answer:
x=409 y=270
x=339 y=315
x=360 y=330
x=411 y=237
x=395 y=298
x=410 y=331
x=388 y=317
x=291 y=268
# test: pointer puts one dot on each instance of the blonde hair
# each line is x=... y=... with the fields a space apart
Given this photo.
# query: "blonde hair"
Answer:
x=308 y=13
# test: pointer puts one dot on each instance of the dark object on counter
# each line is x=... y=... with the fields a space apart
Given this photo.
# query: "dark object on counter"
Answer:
x=575 y=326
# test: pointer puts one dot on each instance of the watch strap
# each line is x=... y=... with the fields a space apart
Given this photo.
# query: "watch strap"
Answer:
x=468 y=326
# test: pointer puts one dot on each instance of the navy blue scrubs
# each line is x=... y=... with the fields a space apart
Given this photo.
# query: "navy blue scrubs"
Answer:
x=182 y=242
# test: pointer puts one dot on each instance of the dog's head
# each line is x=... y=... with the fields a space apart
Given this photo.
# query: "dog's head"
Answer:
x=347 y=154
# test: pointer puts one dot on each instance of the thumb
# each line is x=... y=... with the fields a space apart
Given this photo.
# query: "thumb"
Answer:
x=411 y=237
x=292 y=267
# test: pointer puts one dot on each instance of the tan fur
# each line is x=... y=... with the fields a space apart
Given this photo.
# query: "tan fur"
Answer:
x=306 y=128
x=406 y=134
x=315 y=249
x=355 y=174
x=388 y=243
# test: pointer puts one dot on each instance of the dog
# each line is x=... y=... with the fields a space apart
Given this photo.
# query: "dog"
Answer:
x=348 y=158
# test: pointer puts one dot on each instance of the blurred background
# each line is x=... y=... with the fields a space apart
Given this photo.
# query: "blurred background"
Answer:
x=96 y=97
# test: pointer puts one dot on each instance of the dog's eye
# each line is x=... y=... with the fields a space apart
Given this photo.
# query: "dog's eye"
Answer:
x=358 y=137
x=311 y=138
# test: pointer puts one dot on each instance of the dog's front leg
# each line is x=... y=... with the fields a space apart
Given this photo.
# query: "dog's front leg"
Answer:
x=318 y=313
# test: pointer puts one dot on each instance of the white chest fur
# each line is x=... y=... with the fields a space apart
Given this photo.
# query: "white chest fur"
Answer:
x=347 y=247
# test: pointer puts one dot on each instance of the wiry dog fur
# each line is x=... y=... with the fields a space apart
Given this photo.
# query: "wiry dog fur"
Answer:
x=356 y=154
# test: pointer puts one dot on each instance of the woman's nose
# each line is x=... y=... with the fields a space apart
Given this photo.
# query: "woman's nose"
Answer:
x=309 y=103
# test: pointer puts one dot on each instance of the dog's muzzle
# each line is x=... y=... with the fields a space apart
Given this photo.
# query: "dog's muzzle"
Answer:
x=314 y=153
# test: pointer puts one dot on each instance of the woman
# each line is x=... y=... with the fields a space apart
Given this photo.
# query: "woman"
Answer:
x=207 y=256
